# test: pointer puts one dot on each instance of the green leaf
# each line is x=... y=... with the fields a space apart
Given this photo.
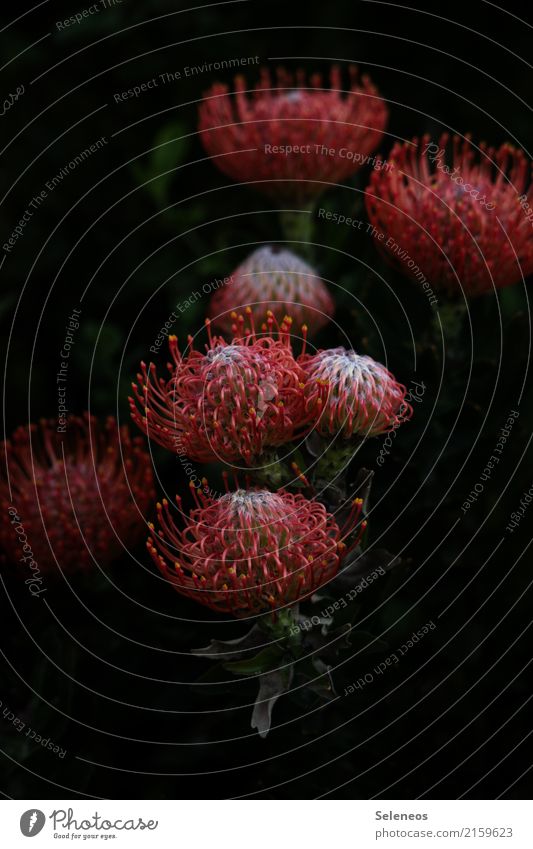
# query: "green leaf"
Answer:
x=271 y=687
x=265 y=661
x=169 y=151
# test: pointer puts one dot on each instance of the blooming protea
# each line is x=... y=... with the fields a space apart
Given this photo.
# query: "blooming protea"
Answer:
x=464 y=226
x=278 y=280
x=229 y=403
x=362 y=396
x=290 y=138
x=252 y=550
x=74 y=500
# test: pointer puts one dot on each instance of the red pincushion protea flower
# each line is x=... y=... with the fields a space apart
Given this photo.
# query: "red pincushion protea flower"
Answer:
x=252 y=550
x=77 y=499
x=289 y=138
x=446 y=219
x=278 y=280
x=363 y=398
x=229 y=403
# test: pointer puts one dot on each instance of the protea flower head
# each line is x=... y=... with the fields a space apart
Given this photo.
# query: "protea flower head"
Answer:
x=252 y=550
x=274 y=279
x=360 y=397
x=229 y=403
x=292 y=137
x=75 y=498
x=467 y=224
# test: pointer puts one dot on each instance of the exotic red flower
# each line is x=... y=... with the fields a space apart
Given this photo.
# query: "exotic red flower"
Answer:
x=291 y=139
x=466 y=225
x=252 y=550
x=76 y=499
x=362 y=397
x=231 y=402
x=278 y=280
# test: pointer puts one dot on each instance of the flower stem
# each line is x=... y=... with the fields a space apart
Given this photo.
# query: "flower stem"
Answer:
x=449 y=321
x=333 y=463
x=297 y=226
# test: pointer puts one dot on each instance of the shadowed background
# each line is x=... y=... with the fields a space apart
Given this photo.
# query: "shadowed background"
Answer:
x=104 y=667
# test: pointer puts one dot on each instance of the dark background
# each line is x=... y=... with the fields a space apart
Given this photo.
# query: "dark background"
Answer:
x=104 y=669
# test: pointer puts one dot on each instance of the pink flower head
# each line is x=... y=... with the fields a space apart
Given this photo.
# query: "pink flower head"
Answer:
x=361 y=396
x=229 y=403
x=466 y=224
x=278 y=280
x=74 y=497
x=252 y=550
x=292 y=137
